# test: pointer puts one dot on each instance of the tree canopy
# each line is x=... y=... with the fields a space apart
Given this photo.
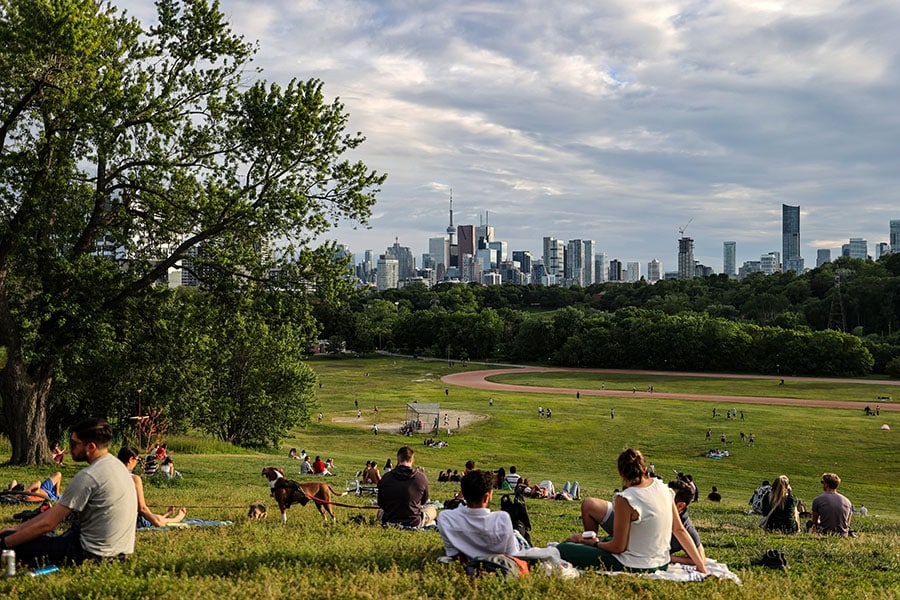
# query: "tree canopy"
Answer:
x=126 y=152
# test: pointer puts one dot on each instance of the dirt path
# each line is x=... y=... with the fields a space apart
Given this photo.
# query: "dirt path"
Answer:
x=465 y=418
x=478 y=380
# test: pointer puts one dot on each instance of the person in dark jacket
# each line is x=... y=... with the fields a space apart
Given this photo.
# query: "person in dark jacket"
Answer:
x=403 y=494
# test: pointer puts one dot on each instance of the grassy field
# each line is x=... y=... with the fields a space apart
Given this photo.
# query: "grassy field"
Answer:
x=868 y=392
x=358 y=559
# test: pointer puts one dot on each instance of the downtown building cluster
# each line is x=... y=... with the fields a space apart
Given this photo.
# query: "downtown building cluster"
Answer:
x=473 y=253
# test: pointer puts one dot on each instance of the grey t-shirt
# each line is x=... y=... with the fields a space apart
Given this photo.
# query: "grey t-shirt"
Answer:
x=834 y=512
x=104 y=497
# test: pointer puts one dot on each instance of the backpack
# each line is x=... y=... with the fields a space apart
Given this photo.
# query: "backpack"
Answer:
x=518 y=513
x=499 y=564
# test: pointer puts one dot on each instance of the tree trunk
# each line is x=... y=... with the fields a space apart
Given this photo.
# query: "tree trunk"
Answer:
x=25 y=404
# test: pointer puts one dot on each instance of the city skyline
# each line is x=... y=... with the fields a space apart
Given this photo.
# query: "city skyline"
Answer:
x=614 y=121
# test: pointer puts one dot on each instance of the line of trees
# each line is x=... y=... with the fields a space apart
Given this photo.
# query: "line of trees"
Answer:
x=766 y=324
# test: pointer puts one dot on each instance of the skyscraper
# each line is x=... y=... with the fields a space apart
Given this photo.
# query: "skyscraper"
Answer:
x=654 y=270
x=895 y=235
x=823 y=255
x=858 y=248
x=634 y=271
x=790 y=238
x=729 y=260
x=601 y=268
x=554 y=259
x=685 y=258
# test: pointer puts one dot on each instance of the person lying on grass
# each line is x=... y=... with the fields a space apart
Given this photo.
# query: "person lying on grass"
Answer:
x=145 y=516
x=646 y=519
x=48 y=488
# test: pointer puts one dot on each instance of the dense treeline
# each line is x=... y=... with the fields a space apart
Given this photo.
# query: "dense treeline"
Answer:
x=784 y=323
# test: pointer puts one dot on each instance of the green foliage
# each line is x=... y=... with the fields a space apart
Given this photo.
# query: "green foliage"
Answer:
x=126 y=152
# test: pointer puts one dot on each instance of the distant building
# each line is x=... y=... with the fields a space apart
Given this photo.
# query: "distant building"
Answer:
x=601 y=268
x=465 y=240
x=790 y=238
x=686 y=258
x=615 y=270
x=857 y=248
x=895 y=235
x=579 y=269
x=729 y=258
x=750 y=266
x=823 y=256
x=634 y=272
x=554 y=259
x=768 y=263
x=654 y=271
x=523 y=257
x=406 y=262
x=882 y=249
x=388 y=273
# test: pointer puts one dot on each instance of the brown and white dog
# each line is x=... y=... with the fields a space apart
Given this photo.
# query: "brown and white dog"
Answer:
x=257 y=512
x=287 y=492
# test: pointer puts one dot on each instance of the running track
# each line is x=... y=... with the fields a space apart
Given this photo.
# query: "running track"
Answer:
x=478 y=380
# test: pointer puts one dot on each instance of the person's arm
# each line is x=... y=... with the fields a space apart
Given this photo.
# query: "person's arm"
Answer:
x=684 y=538
x=33 y=528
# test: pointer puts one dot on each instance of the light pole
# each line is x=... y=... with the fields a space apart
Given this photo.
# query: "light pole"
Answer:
x=139 y=424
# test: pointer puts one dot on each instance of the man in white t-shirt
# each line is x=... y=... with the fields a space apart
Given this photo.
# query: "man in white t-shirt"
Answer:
x=471 y=529
x=102 y=495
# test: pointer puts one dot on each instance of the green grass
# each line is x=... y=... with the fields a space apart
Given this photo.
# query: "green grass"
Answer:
x=348 y=560
x=865 y=391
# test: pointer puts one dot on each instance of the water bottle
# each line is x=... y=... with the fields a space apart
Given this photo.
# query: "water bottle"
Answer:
x=44 y=570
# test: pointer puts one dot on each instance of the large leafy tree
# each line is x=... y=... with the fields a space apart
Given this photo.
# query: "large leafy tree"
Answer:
x=126 y=152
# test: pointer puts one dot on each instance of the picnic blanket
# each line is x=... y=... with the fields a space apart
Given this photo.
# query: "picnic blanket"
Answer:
x=685 y=573
x=187 y=523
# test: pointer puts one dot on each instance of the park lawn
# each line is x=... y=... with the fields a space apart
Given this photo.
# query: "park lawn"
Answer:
x=580 y=441
x=864 y=391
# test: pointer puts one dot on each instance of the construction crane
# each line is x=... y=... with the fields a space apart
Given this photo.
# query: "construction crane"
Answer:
x=681 y=230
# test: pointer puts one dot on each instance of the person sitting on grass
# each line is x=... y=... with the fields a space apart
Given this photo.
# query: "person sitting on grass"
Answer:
x=59 y=455
x=831 y=511
x=646 y=518
x=146 y=517
x=597 y=514
x=168 y=468
x=471 y=529
x=780 y=508
x=48 y=488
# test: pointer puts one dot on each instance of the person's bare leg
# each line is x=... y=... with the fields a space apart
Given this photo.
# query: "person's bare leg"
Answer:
x=593 y=512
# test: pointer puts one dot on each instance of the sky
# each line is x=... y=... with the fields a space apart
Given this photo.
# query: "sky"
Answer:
x=620 y=121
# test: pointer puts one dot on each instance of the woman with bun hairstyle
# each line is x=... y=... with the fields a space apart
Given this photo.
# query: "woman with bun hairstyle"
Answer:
x=646 y=518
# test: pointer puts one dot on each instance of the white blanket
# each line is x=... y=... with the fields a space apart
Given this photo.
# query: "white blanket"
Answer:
x=678 y=572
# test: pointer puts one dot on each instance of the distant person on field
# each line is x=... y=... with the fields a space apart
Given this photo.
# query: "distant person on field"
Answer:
x=403 y=494
x=512 y=478
x=714 y=495
x=471 y=529
x=831 y=511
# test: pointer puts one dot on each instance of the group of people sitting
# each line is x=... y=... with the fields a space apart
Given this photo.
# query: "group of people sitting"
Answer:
x=782 y=511
x=315 y=467
x=371 y=474
x=106 y=496
x=158 y=460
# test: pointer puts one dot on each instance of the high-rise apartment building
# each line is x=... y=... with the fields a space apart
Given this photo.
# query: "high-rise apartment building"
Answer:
x=768 y=263
x=580 y=262
x=633 y=271
x=729 y=258
x=894 y=240
x=523 y=257
x=790 y=238
x=601 y=268
x=615 y=270
x=388 y=276
x=882 y=248
x=654 y=271
x=685 y=258
x=823 y=256
x=554 y=259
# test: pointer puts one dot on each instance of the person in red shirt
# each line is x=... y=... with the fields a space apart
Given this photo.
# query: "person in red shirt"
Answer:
x=319 y=467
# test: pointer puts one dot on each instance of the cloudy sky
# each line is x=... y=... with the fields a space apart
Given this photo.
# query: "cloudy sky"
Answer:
x=613 y=120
